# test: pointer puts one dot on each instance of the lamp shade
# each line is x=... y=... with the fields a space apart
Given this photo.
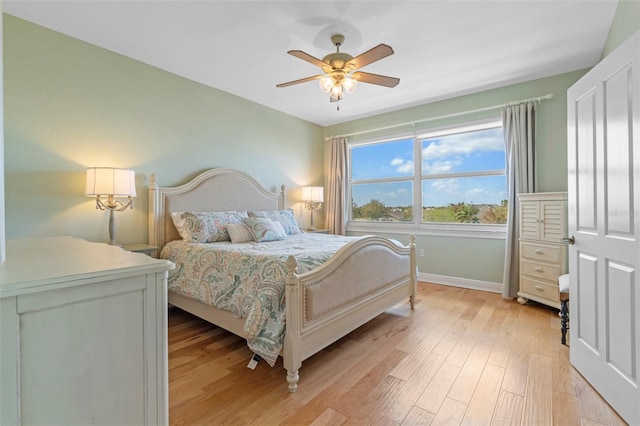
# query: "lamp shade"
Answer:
x=110 y=181
x=349 y=84
x=313 y=193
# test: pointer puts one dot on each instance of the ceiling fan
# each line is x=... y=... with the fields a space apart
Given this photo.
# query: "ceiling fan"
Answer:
x=341 y=69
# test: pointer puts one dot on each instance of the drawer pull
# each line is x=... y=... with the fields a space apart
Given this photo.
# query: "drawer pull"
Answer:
x=539 y=288
x=538 y=251
x=539 y=269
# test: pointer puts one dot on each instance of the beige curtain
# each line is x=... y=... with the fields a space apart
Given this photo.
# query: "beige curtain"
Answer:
x=336 y=190
x=519 y=125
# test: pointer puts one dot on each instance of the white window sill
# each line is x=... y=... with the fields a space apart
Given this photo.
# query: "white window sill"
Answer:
x=497 y=232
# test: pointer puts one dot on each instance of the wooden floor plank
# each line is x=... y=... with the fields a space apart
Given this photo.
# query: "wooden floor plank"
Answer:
x=400 y=406
x=516 y=373
x=318 y=405
x=436 y=391
x=418 y=417
x=352 y=403
x=329 y=418
x=451 y=413
x=451 y=339
x=508 y=410
x=565 y=409
x=465 y=384
x=538 y=400
x=485 y=397
x=592 y=407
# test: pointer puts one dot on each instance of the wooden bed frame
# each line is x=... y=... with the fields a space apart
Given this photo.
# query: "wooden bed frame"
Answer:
x=362 y=280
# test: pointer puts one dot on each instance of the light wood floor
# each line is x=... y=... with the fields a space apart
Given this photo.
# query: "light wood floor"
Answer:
x=461 y=357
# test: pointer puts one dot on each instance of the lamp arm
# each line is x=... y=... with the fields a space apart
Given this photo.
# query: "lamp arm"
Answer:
x=112 y=204
x=313 y=205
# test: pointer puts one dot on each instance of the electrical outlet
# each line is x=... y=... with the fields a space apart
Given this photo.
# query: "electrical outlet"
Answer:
x=421 y=252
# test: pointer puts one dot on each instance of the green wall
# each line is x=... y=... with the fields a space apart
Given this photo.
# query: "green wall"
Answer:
x=625 y=22
x=471 y=258
x=71 y=105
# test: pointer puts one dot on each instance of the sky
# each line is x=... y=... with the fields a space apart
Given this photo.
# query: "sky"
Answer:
x=459 y=153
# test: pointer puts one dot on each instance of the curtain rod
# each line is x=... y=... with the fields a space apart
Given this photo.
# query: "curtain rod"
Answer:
x=413 y=123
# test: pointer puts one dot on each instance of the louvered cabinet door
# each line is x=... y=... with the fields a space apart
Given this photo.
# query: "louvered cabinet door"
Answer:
x=529 y=220
x=553 y=220
x=543 y=258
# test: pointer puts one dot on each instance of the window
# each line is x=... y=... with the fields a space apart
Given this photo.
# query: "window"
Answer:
x=382 y=181
x=458 y=179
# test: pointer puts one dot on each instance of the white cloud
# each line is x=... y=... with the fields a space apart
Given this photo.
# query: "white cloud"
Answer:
x=440 y=166
x=465 y=144
x=476 y=191
x=449 y=186
x=402 y=192
x=402 y=166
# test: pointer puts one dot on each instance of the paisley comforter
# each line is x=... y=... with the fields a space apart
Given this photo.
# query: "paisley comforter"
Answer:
x=247 y=279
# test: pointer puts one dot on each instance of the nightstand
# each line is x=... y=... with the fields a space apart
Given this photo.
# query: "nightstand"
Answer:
x=142 y=248
x=317 y=231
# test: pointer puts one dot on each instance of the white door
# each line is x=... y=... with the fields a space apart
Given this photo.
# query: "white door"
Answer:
x=604 y=217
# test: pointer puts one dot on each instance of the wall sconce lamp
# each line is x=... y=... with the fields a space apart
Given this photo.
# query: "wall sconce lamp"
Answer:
x=313 y=197
x=109 y=182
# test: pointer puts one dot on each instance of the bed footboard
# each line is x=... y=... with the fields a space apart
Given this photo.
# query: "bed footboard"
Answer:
x=362 y=280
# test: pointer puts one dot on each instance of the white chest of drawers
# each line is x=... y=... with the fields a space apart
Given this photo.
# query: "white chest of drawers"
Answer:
x=543 y=258
x=83 y=334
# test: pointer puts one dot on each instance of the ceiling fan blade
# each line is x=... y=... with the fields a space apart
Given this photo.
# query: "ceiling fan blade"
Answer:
x=380 y=80
x=306 y=57
x=302 y=80
x=371 y=55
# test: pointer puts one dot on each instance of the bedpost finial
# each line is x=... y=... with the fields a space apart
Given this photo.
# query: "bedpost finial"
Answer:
x=154 y=180
x=412 y=239
x=292 y=264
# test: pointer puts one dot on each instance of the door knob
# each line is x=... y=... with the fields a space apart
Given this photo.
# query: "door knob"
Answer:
x=568 y=240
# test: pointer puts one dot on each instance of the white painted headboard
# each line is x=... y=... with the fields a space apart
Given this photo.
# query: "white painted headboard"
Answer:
x=214 y=190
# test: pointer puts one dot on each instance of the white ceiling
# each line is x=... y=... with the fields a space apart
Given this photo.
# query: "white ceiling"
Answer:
x=442 y=48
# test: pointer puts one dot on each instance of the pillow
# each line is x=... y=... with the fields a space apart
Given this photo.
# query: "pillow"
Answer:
x=264 y=229
x=284 y=217
x=208 y=227
x=178 y=222
x=239 y=233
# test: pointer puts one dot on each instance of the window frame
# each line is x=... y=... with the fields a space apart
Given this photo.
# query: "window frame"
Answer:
x=416 y=226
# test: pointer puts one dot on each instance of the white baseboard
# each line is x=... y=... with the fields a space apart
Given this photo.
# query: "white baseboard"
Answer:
x=461 y=282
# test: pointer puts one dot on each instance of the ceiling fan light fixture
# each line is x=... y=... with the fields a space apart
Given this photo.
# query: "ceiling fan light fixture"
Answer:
x=349 y=84
x=336 y=93
x=326 y=83
x=342 y=71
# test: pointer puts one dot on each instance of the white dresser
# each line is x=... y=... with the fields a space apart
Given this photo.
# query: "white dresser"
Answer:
x=543 y=258
x=83 y=334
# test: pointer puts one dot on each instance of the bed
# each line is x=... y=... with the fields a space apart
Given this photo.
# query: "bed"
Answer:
x=324 y=301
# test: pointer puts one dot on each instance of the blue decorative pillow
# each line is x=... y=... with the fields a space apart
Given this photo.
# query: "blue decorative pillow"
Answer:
x=284 y=217
x=264 y=229
x=208 y=227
